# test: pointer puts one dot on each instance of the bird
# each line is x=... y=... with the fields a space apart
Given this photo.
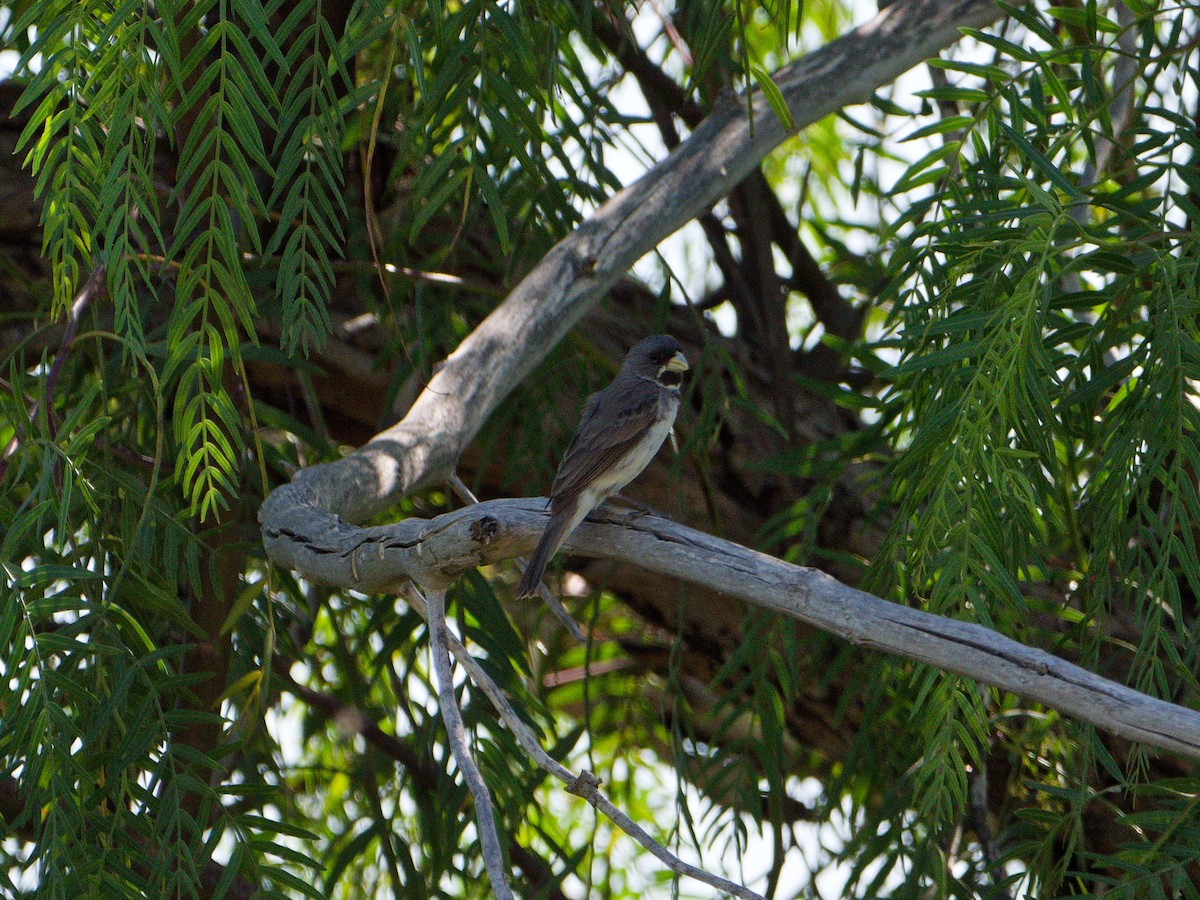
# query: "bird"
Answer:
x=620 y=431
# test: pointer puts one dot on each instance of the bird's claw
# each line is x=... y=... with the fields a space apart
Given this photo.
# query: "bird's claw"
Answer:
x=635 y=508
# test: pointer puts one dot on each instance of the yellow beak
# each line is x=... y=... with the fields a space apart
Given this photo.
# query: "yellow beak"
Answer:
x=677 y=363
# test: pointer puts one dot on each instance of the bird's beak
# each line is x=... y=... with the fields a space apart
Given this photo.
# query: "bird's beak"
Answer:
x=677 y=363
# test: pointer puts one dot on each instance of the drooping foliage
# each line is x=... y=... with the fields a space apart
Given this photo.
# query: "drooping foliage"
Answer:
x=944 y=346
x=1043 y=297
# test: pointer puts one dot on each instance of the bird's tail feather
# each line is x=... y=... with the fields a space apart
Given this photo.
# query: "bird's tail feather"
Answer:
x=552 y=537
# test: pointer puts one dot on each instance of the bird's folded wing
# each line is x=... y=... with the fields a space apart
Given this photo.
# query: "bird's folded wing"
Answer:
x=612 y=425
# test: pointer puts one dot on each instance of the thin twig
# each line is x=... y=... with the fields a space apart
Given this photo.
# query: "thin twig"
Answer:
x=978 y=817
x=586 y=784
x=536 y=870
x=467 y=496
x=82 y=299
x=456 y=732
x=94 y=283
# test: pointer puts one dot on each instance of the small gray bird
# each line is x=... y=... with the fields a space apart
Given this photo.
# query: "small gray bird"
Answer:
x=622 y=428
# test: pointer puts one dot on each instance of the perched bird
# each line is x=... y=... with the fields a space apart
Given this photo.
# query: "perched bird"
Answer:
x=622 y=428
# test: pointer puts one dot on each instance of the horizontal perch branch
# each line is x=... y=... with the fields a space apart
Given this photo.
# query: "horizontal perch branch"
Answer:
x=434 y=551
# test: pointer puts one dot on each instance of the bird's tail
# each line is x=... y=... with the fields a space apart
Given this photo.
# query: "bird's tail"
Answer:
x=552 y=537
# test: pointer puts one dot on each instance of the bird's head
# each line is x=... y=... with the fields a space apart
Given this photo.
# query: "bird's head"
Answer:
x=659 y=357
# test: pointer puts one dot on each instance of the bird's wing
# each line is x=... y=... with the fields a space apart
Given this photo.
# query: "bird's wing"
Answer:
x=614 y=420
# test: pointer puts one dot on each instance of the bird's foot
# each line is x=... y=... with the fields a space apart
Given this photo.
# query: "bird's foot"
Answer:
x=634 y=509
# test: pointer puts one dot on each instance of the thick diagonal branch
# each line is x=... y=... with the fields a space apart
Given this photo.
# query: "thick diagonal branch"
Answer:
x=505 y=347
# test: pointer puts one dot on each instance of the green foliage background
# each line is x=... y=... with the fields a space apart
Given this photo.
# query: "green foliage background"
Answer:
x=223 y=185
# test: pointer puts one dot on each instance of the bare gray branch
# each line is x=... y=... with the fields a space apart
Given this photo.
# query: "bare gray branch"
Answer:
x=435 y=551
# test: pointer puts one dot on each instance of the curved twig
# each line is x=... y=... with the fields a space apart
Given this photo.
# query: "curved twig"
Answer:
x=456 y=732
x=585 y=784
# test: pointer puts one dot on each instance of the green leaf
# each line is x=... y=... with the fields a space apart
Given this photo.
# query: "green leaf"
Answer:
x=1043 y=164
x=774 y=97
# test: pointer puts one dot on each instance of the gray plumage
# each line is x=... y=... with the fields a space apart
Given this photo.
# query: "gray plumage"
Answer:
x=620 y=432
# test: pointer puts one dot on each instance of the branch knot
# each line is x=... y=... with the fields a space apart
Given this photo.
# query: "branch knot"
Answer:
x=585 y=785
